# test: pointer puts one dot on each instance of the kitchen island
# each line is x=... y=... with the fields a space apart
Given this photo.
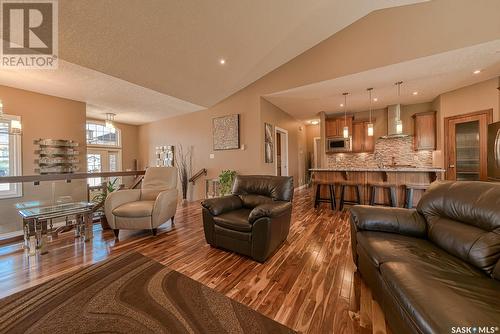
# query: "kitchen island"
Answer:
x=399 y=176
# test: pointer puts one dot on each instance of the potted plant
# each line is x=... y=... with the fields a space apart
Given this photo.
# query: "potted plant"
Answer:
x=226 y=179
x=183 y=162
x=107 y=187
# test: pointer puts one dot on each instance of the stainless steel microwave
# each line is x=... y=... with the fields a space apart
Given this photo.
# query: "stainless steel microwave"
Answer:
x=338 y=144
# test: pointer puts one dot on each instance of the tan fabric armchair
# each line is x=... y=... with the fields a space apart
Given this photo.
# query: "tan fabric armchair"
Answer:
x=145 y=208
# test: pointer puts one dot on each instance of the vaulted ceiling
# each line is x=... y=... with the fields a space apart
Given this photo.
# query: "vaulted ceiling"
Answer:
x=174 y=48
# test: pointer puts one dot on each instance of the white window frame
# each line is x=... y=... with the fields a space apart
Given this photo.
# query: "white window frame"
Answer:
x=118 y=132
x=15 y=163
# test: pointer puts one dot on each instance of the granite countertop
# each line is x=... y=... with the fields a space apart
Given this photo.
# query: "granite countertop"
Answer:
x=377 y=169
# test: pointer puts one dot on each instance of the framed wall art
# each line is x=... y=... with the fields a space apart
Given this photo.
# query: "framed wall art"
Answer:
x=268 y=143
x=226 y=132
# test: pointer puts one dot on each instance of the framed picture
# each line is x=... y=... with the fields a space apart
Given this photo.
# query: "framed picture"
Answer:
x=268 y=143
x=226 y=132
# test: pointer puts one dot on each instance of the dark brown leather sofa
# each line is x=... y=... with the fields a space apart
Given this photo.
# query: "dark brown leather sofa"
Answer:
x=255 y=220
x=435 y=268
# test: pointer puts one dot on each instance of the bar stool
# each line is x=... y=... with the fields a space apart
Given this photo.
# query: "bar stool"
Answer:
x=391 y=188
x=409 y=189
x=345 y=184
x=331 y=191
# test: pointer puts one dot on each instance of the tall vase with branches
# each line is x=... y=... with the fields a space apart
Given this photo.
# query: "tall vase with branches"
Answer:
x=183 y=163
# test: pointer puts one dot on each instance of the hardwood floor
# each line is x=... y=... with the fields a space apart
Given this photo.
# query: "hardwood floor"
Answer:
x=308 y=285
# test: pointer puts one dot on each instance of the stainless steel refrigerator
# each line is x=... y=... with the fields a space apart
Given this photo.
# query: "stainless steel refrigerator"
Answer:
x=494 y=152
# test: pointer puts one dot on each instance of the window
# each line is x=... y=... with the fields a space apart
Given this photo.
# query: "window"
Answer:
x=99 y=135
x=10 y=158
x=103 y=150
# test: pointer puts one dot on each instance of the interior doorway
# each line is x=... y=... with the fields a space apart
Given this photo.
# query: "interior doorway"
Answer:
x=466 y=141
x=281 y=149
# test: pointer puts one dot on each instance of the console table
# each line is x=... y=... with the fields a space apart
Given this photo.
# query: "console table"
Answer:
x=35 y=223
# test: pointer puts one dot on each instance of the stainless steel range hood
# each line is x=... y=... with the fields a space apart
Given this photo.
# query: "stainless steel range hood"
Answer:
x=392 y=116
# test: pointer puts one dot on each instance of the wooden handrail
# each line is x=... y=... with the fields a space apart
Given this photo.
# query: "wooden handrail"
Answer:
x=198 y=175
x=66 y=177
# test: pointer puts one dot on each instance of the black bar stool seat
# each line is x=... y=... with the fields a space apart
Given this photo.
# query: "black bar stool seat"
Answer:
x=409 y=190
x=331 y=191
x=391 y=188
x=343 y=186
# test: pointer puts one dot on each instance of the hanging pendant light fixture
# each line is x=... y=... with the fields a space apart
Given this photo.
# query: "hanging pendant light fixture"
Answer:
x=14 y=125
x=346 y=128
x=110 y=118
x=399 y=124
x=370 y=124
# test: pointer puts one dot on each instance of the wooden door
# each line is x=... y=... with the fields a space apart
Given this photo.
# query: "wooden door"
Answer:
x=466 y=141
x=358 y=136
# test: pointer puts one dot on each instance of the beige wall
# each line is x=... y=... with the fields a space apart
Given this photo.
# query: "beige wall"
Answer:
x=383 y=35
x=42 y=116
x=297 y=153
x=130 y=144
x=477 y=97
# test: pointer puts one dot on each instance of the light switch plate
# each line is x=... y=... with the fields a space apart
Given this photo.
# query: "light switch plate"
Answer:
x=212 y=156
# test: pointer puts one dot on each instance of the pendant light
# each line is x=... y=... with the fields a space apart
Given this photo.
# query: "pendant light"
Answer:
x=370 y=124
x=346 y=128
x=110 y=118
x=15 y=126
x=399 y=124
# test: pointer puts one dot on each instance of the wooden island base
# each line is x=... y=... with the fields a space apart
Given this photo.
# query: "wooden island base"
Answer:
x=399 y=178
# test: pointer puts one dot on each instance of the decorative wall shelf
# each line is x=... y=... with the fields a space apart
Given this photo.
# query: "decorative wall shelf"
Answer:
x=56 y=156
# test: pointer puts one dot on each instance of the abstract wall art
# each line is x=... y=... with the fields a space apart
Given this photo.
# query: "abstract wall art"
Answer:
x=226 y=132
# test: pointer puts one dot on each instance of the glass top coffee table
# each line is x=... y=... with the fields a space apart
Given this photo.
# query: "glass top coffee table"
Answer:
x=35 y=223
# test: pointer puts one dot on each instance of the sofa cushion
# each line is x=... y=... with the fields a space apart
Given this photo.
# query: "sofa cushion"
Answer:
x=389 y=247
x=464 y=219
x=279 y=188
x=235 y=220
x=135 y=209
x=438 y=298
x=250 y=201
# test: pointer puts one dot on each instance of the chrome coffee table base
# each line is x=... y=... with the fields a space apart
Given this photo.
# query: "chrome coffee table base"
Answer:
x=37 y=224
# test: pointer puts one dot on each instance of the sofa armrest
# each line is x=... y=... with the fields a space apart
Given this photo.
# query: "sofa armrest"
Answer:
x=393 y=220
x=269 y=210
x=219 y=205
x=164 y=207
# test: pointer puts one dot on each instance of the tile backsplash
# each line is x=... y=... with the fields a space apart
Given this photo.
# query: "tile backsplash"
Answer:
x=401 y=148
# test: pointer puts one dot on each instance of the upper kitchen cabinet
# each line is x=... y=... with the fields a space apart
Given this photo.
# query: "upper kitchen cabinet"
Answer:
x=334 y=127
x=361 y=142
x=425 y=130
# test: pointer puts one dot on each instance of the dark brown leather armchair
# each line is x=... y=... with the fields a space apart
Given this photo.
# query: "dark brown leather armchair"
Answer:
x=254 y=220
x=437 y=267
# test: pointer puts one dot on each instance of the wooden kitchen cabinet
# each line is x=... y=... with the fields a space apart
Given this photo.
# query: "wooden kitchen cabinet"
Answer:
x=424 y=125
x=334 y=127
x=331 y=127
x=369 y=141
x=357 y=137
x=361 y=142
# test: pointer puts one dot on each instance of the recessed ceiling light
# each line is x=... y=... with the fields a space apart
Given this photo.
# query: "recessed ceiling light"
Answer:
x=341 y=104
x=415 y=93
x=375 y=99
x=222 y=61
x=477 y=71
